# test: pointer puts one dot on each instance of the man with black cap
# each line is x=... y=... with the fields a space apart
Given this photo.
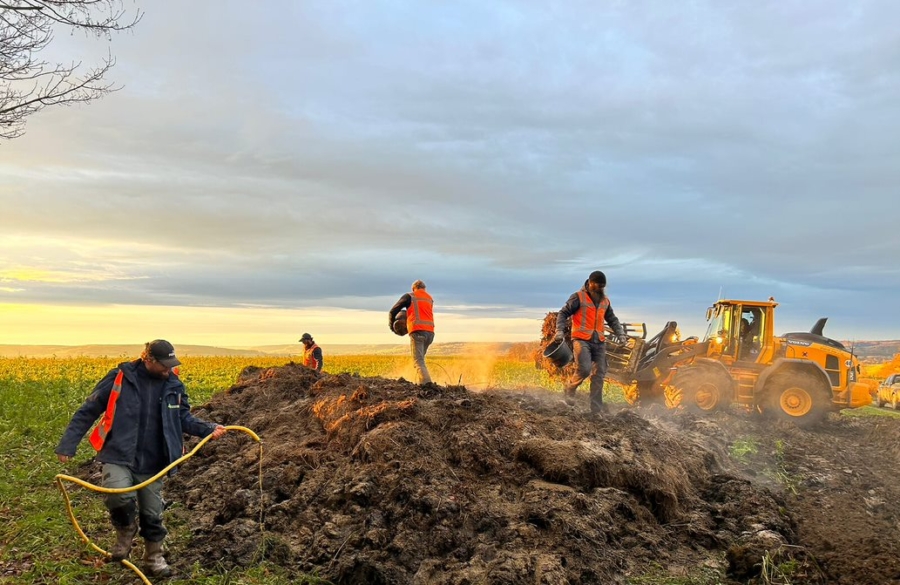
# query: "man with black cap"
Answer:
x=589 y=309
x=312 y=353
x=145 y=413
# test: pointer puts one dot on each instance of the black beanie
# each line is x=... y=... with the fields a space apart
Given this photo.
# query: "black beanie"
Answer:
x=598 y=277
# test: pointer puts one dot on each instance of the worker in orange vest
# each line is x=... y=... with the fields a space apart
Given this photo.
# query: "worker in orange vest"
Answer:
x=312 y=353
x=419 y=324
x=145 y=414
x=589 y=309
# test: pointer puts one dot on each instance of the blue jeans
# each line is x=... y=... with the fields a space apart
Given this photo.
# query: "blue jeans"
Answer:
x=590 y=360
x=418 y=345
x=147 y=501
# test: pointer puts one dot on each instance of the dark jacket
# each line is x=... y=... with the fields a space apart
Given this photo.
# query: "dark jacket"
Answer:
x=404 y=303
x=574 y=303
x=122 y=442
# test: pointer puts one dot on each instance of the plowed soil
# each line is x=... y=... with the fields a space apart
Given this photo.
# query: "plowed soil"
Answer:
x=372 y=480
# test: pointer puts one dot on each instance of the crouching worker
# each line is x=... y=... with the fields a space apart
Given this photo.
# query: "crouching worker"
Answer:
x=145 y=411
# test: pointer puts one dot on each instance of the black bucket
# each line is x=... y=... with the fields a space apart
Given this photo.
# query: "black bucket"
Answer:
x=399 y=326
x=559 y=353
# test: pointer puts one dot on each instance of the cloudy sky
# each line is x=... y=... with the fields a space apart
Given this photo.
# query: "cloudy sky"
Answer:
x=286 y=166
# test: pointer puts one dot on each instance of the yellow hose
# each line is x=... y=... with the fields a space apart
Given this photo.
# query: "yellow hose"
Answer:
x=60 y=478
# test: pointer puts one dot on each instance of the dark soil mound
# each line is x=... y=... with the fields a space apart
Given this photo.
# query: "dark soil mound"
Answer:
x=369 y=480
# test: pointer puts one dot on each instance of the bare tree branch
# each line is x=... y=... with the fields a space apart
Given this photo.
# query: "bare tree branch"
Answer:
x=28 y=83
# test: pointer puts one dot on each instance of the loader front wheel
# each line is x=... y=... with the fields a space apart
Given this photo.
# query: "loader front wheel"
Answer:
x=700 y=389
x=646 y=393
x=799 y=398
x=631 y=394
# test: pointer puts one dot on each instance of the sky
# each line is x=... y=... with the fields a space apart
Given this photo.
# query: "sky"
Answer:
x=286 y=166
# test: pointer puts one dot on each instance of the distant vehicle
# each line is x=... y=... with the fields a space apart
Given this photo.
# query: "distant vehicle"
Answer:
x=889 y=392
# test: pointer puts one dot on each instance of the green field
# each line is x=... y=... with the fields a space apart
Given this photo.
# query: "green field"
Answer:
x=38 y=544
x=38 y=396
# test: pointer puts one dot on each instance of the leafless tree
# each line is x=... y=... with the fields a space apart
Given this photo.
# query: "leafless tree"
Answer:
x=28 y=83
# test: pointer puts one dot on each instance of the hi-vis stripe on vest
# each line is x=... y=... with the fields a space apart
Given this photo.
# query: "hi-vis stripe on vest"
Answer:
x=98 y=437
x=308 y=359
x=420 y=316
x=589 y=318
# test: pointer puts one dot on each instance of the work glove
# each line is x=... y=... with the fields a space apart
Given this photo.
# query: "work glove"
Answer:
x=559 y=336
x=621 y=338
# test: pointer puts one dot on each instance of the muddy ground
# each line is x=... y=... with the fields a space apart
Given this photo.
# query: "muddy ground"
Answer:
x=371 y=480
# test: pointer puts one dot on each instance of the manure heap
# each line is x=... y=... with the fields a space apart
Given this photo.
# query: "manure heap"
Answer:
x=372 y=480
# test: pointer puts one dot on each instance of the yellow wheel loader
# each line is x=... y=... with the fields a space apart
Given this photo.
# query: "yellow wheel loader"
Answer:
x=797 y=377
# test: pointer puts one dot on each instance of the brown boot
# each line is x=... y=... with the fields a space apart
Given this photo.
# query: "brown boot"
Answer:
x=154 y=561
x=124 y=539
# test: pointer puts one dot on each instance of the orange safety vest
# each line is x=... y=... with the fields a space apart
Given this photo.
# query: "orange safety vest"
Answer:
x=98 y=436
x=308 y=360
x=589 y=318
x=420 y=316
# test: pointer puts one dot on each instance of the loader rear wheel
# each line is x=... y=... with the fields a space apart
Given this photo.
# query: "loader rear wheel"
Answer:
x=799 y=398
x=700 y=389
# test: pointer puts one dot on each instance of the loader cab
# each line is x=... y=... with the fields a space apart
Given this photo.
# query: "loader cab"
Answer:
x=740 y=330
x=718 y=332
x=750 y=333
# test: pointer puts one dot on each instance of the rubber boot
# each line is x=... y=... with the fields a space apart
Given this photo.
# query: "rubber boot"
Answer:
x=124 y=539
x=154 y=561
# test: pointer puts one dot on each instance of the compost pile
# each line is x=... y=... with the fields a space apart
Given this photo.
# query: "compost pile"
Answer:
x=372 y=480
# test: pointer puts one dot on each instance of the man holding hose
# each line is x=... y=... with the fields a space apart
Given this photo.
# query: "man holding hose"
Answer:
x=145 y=413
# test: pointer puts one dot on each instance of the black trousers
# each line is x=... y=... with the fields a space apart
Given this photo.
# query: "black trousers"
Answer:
x=590 y=360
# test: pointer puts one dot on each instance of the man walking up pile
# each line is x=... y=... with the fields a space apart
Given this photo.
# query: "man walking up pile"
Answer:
x=589 y=309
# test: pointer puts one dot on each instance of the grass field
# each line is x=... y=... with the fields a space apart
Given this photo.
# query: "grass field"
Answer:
x=38 y=544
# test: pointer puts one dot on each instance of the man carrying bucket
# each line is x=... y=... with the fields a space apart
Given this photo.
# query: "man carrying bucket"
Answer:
x=589 y=309
x=419 y=307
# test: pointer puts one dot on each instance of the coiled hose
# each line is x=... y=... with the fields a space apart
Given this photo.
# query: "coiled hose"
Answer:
x=61 y=478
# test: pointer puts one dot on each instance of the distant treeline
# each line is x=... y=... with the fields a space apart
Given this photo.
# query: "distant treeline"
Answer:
x=523 y=351
x=874 y=352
